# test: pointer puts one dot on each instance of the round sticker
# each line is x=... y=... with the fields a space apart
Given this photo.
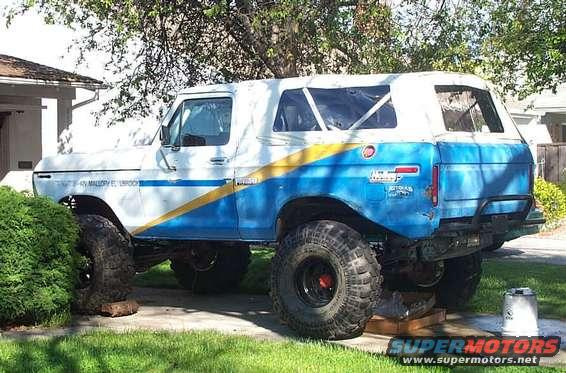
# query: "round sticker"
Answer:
x=368 y=151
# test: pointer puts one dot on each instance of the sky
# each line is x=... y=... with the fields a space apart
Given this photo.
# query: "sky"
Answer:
x=30 y=38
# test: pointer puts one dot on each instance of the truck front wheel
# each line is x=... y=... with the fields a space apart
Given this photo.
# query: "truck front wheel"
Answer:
x=108 y=267
x=210 y=268
x=325 y=280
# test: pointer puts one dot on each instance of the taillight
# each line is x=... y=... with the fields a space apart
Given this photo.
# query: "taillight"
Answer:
x=434 y=190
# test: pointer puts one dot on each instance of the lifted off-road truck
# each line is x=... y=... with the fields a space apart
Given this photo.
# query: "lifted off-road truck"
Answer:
x=364 y=182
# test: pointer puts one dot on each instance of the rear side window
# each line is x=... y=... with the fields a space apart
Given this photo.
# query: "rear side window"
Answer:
x=294 y=113
x=468 y=109
x=336 y=109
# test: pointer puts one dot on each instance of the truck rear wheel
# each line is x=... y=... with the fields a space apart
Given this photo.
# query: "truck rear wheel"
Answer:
x=459 y=282
x=212 y=268
x=325 y=280
x=108 y=269
x=494 y=246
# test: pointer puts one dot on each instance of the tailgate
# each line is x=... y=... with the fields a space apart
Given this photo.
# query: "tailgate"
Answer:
x=472 y=172
x=482 y=155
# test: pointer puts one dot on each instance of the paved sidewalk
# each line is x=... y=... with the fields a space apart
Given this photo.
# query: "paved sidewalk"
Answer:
x=176 y=310
x=540 y=248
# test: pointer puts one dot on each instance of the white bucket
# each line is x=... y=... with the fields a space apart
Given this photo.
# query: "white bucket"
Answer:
x=520 y=313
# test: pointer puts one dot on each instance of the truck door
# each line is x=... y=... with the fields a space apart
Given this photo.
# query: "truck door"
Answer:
x=484 y=160
x=187 y=182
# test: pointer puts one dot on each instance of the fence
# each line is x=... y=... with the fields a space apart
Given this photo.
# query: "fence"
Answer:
x=552 y=161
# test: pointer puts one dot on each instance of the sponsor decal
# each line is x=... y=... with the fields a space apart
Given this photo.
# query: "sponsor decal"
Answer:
x=399 y=191
x=246 y=180
x=473 y=350
x=108 y=183
x=368 y=151
x=384 y=176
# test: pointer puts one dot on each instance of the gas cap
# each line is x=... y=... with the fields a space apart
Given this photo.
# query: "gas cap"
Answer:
x=520 y=313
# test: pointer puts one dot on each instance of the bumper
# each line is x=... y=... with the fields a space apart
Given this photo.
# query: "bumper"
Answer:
x=496 y=224
x=461 y=237
x=531 y=226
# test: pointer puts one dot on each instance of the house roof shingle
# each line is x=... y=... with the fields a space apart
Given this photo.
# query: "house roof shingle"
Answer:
x=13 y=67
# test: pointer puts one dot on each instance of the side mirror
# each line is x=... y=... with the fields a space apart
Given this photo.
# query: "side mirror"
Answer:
x=165 y=136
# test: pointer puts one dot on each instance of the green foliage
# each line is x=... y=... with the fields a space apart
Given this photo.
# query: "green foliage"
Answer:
x=37 y=259
x=156 y=47
x=524 y=44
x=551 y=200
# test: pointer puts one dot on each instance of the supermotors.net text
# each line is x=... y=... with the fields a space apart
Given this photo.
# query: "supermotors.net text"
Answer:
x=473 y=350
x=470 y=360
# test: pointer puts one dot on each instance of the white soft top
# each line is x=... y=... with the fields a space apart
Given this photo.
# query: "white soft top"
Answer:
x=419 y=117
x=342 y=80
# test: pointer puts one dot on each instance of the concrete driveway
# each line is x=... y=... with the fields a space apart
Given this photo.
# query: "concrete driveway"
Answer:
x=177 y=310
x=547 y=248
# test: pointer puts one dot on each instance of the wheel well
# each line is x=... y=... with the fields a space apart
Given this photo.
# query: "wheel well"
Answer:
x=83 y=205
x=303 y=210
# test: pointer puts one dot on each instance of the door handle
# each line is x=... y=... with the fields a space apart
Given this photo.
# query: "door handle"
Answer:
x=218 y=160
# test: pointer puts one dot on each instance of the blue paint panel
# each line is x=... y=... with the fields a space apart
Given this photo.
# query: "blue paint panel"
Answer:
x=346 y=177
x=181 y=183
x=472 y=172
x=468 y=173
x=197 y=223
x=478 y=153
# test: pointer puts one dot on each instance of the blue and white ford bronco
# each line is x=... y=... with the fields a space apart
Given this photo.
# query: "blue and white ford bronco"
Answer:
x=365 y=183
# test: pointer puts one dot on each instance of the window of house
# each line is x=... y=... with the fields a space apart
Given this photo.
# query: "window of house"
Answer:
x=202 y=122
x=337 y=109
x=467 y=109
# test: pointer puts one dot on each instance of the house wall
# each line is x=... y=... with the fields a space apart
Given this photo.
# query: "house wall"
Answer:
x=533 y=131
x=22 y=128
x=4 y=145
x=37 y=117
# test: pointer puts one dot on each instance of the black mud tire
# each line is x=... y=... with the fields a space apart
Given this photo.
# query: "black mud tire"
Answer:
x=459 y=282
x=357 y=273
x=111 y=264
x=494 y=246
x=224 y=275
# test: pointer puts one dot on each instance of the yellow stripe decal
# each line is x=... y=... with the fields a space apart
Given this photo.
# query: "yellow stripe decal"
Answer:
x=278 y=168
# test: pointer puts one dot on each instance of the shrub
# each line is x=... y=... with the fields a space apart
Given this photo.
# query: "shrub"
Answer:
x=551 y=200
x=37 y=259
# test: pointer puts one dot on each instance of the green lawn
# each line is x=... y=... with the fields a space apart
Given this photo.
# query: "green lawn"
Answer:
x=194 y=352
x=549 y=281
x=255 y=282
